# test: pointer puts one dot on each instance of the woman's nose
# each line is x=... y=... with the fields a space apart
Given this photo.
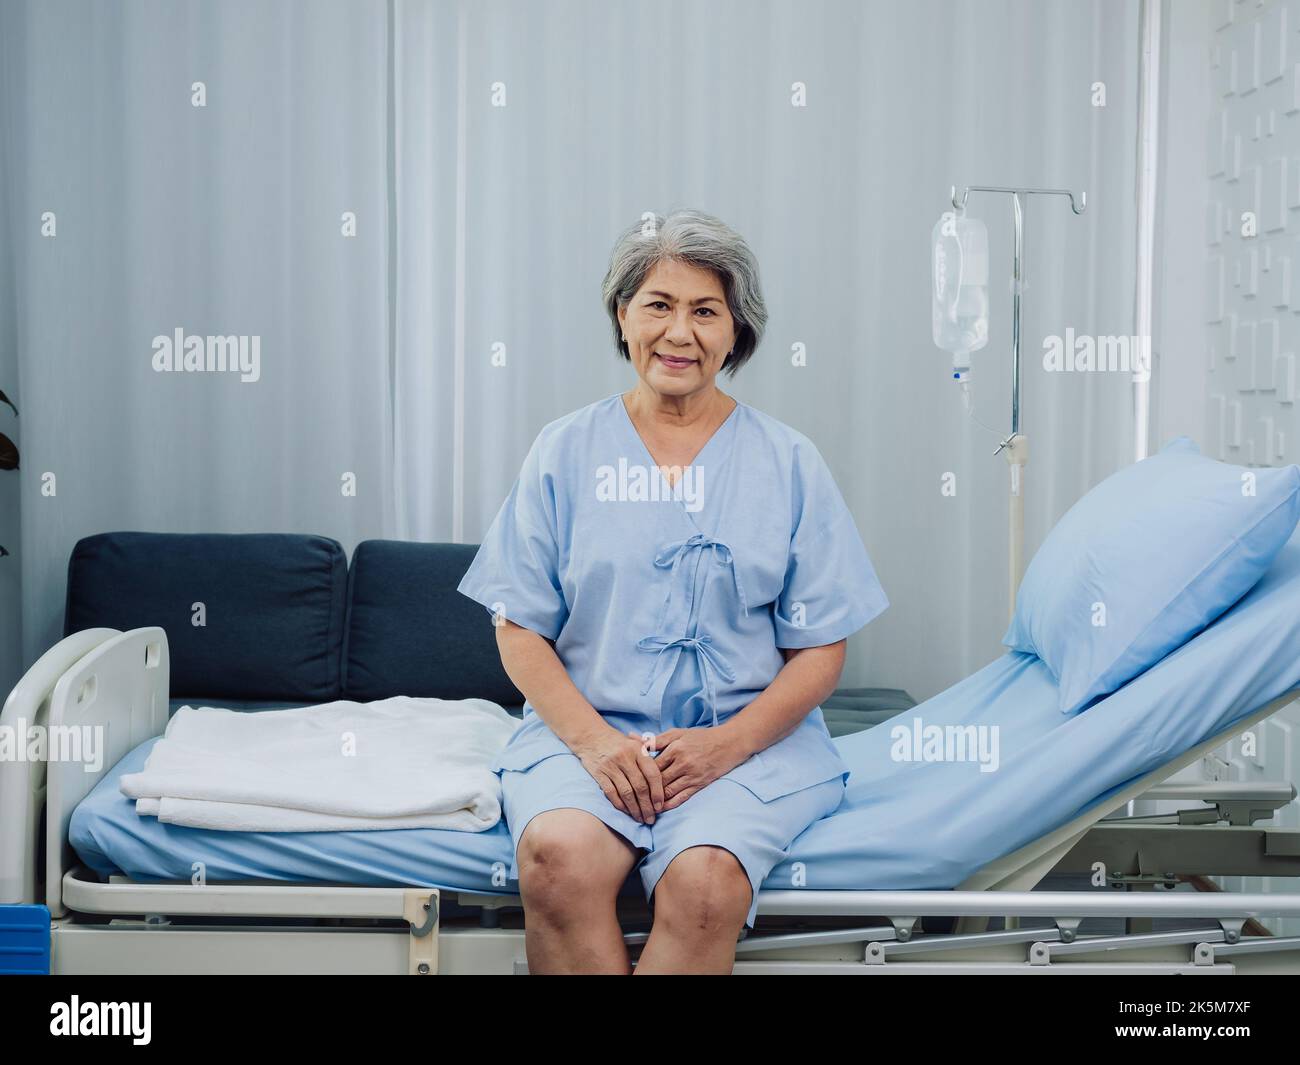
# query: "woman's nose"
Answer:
x=680 y=329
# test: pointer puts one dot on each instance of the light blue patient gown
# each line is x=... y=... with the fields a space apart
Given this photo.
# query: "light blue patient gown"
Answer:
x=667 y=606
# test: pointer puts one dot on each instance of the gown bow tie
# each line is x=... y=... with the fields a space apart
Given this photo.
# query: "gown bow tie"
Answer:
x=711 y=662
x=708 y=657
x=671 y=555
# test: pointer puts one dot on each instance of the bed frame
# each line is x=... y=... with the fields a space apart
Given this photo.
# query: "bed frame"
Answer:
x=118 y=681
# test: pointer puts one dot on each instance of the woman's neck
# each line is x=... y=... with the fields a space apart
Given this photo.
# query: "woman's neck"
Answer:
x=677 y=412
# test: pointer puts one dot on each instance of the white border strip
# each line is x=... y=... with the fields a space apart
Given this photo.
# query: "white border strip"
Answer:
x=458 y=369
x=1148 y=146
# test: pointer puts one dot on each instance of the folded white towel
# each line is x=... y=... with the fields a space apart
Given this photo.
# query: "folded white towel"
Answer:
x=395 y=763
x=245 y=817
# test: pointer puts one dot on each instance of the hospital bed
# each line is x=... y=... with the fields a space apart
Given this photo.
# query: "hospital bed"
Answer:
x=925 y=867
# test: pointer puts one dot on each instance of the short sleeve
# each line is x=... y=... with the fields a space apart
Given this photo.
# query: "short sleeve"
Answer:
x=516 y=570
x=831 y=589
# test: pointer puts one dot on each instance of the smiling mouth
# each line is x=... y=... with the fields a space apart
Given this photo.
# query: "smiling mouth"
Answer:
x=676 y=361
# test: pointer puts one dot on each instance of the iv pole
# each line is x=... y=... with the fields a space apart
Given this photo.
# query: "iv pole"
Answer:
x=1016 y=445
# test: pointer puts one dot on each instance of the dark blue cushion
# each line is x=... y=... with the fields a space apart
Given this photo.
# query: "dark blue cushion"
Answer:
x=411 y=633
x=275 y=607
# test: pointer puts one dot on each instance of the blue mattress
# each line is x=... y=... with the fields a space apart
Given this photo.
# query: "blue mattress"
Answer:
x=902 y=825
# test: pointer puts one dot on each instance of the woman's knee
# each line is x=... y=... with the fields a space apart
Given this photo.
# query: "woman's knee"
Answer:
x=703 y=889
x=568 y=859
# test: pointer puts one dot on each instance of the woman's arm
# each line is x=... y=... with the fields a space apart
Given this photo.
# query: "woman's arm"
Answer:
x=694 y=758
x=619 y=764
x=807 y=679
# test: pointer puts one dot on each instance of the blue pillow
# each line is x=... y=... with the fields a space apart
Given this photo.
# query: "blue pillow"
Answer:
x=1144 y=562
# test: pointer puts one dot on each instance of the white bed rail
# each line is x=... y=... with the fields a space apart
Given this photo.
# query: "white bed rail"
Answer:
x=22 y=779
x=120 y=692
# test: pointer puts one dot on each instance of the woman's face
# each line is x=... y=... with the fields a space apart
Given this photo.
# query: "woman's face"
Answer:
x=678 y=328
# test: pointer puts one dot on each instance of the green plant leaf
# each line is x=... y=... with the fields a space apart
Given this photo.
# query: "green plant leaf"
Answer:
x=6 y=399
x=8 y=453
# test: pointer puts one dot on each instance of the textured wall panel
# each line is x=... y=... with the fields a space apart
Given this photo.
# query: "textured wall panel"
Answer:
x=1252 y=227
x=1252 y=320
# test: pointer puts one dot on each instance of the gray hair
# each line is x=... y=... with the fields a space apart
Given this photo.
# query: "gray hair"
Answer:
x=700 y=240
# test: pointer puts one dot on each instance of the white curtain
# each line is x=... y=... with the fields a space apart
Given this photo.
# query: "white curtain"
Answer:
x=491 y=153
x=220 y=220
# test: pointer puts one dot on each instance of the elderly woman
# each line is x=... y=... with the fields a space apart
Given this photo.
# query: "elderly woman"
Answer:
x=672 y=578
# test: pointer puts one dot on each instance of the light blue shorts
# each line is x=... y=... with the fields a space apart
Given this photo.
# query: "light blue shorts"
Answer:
x=723 y=814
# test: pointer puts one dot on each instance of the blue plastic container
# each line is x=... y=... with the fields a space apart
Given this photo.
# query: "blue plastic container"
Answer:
x=24 y=941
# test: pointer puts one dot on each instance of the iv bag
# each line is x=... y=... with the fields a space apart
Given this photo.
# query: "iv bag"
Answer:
x=960 y=305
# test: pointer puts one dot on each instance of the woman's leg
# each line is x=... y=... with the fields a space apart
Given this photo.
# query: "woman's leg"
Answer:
x=708 y=857
x=701 y=902
x=571 y=866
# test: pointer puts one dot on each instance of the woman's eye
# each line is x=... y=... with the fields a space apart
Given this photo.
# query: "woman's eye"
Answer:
x=660 y=303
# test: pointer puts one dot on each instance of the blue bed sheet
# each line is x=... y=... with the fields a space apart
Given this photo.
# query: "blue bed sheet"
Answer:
x=902 y=825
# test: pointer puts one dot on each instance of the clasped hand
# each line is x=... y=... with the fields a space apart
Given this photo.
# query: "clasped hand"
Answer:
x=642 y=785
